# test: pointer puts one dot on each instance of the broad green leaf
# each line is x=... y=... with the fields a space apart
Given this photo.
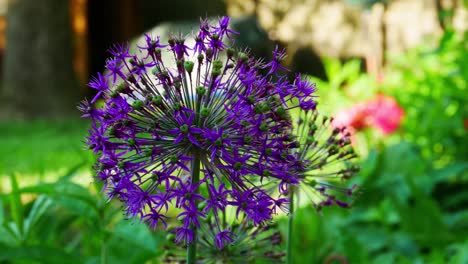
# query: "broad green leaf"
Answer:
x=14 y=230
x=404 y=244
x=81 y=209
x=449 y=171
x=135 y=235
x=461 y=254
x=75 y=198
x=40 y=206
x=446 y=174
x=354 y=251
x=64 y=189
x=373 y=237
x=7 y=237
x=459 y=222
x=403 y=158
x=422 y=219
x=456 y=199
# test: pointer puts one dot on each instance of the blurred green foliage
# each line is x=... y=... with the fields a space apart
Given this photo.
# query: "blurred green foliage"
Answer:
x=41 y=146
x=63 y=222
x=412 y=208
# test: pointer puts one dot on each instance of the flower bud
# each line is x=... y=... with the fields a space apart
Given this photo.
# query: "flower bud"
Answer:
x=188 y=65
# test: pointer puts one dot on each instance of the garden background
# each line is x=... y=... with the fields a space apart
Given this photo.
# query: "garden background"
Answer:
x=406 y=58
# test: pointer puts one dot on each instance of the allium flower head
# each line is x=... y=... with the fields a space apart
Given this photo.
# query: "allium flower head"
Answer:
x=324 y=160
x=207 y=109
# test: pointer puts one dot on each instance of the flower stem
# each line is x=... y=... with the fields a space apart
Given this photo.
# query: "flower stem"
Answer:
x=192 y=247
x=104 y=253
x=290 y=226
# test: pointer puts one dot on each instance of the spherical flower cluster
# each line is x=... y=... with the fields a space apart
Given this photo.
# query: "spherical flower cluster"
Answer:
x=212 y=120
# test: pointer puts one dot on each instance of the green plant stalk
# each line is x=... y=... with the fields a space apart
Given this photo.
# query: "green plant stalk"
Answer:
x=103 y=253
x=192 y=247
x=289 y=235
x=103 y=228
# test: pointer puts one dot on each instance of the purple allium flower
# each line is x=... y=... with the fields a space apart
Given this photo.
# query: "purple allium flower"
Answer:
x=324 y=160
x=224 y=238
x=206 y=109
x=152 y=47
x=154 y=217
x=99 y=83
x=275 y=63
x=183 y=235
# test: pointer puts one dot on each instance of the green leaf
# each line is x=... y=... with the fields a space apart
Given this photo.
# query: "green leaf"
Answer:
x=80 y=208
x=40 y=206
x=13 y=229
x=389 y=257
x=332 y=67
x=404 y=244
x=461 y=254
x=15 y=204
x=135 y=235
x=422 y=219
x=351 y=71
x=445 y=174
x=449 y=171
x=7 y=237
x=459 y=222
x=369 y=166
x=71 y=172
x=437 y=257
x=455 y=199
x=75 y=198
x=41 y=254
x=403 y=158
x=2 y=212
x=64 y=189
x=374 y=237
x=354 y=251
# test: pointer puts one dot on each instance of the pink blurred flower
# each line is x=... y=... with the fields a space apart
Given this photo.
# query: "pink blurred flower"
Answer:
x=386 y=115
x=382 y=112
x=353 y=118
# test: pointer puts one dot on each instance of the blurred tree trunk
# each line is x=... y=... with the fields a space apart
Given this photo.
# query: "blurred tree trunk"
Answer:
x=39 y=80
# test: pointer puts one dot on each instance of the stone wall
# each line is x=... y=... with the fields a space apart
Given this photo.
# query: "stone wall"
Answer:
x=337 y=29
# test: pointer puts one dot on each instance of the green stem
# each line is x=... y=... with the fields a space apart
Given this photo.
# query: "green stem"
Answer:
x=192 y=247
x=102 y=224
x=104 y=253
x=289 y=238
